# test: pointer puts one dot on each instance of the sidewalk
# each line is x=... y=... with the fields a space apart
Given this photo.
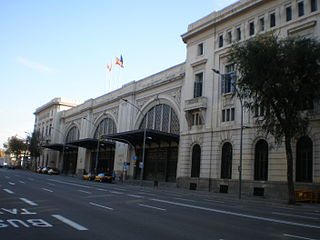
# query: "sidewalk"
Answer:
x=226 y=197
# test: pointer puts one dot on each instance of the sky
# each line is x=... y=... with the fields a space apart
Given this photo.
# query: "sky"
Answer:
x=60 y=48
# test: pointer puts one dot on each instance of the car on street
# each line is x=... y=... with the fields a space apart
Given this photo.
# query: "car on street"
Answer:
x=39 y=170
x=88 y=176
x=53 y=171
x=45 y=170
x=104 y=177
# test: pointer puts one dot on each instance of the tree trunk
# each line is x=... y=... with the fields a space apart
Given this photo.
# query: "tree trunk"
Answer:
x=291 y=195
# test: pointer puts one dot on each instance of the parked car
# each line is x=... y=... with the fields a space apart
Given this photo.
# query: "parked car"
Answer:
x=45 y=170
x=88 y=176
x=104 y=177
x=53 y=171
x=39 y=170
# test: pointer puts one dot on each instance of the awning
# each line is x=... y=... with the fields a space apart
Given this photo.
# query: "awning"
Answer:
x=59 y=146
x=91 y=143
x=136 y=137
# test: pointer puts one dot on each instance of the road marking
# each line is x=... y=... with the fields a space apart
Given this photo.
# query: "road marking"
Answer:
x=70 y=223
x=8 y=191
x=29 y=202
x=98 y=205
x=51 y=184
x=68 y=183
x=298 y=237
x=45 y=189
x=135 y=196
x=116 y=192
x=237 y=214
x=7 y=177
x=213 y=201
x=184 y=199
x=293 y=215
x=84 y=192
x=12 y=183
x=22 y=182
x=148 y=206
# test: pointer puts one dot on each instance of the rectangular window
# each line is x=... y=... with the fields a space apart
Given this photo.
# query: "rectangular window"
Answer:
x=313 y=6
x=300 y=9
x=251 y=28
x=228 y=79
x=228 y=115
x=232 y=114
x=272 y=20
x=198 y=85
x=261 y=24
x=229 y=35
x=221 y=41
x=223 y=115
x=196 y=119
x=200 y=49
x=289 y=13
x=238 y=34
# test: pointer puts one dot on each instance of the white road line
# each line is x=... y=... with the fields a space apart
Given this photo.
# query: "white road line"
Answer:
x=45 y=189
x=184 y=199
x=68 y=183
x=98 y=205
x=22 y=182
x=12 y=183
x=116 y=192
x=84 y=191
x=70 y=223
x=100 y=189
x=213 y=201
x=238 y=214
x=135 y=196
x=28 y=202
x=294 y=215
x=148 y=206
x=298 y=237
x=8 y=191
x=51 y=184
x=7 y=177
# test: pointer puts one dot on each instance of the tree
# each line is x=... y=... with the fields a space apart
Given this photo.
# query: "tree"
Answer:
x=16 y=146
x=34 y=145
x=282 y=77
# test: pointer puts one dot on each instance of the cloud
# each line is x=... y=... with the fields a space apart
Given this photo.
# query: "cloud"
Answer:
x=35 y=66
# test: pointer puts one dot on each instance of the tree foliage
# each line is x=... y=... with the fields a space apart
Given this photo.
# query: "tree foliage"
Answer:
x=16 y=145
x=281 y=76
x=34 y=144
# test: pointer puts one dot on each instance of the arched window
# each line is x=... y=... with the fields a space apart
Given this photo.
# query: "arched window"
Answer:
x=261 y=161
x=226 y=161
x=106 y=126
x=73 y=134
x=196 y=158
x=304 y=160
x=162 y=118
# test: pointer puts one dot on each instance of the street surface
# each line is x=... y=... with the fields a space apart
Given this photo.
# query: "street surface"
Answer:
x=36 y=206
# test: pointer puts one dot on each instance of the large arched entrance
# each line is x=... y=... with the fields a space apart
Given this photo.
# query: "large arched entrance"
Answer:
x=70 y=154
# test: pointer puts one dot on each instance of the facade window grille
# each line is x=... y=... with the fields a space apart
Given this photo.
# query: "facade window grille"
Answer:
x=304 y=160
x=238 y=34
x=162 y=118
x=106 y=126
x=300 y=9
x=272 y=20
x=221 y=41
x=289 y=13
x=200 y=49
x=251 y=28
x=313 y=5
x=197 y=91
x=261 y=161
x=261 y=23
x=226 y=161
x=196 y=160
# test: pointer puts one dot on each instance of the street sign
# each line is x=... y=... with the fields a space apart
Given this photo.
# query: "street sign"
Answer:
x=135 y=158
x=141 y=165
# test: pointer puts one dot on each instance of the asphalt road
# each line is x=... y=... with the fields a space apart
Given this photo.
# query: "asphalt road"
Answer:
x=35 y=206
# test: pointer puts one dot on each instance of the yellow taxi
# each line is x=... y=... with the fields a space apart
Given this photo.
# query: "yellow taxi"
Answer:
x=88 y=176
x=104 y=177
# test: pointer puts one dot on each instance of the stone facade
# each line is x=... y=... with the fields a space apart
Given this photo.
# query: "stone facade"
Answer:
x=209 y=114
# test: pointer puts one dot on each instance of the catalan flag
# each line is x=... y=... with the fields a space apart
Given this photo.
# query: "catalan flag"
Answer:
x=119 y=61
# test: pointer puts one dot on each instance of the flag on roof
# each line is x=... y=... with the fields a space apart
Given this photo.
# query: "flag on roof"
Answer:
x=119 y=61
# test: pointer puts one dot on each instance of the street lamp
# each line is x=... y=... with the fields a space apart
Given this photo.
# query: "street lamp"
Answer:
x=144 y=139
x=240 y=96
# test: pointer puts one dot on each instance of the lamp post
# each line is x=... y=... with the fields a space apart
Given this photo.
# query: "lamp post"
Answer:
x=98 y=146
x=240 y=96
x=144 y=140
